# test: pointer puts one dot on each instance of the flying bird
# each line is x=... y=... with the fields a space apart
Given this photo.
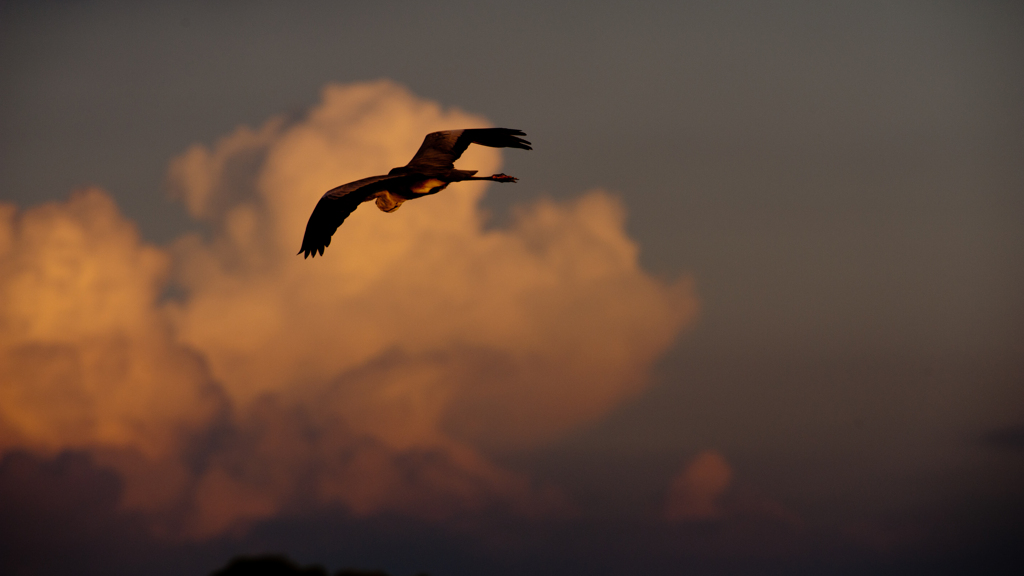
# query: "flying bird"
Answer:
x=431 y=170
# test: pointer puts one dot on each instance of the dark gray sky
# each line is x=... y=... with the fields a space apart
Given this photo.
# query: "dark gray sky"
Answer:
x=843 y=181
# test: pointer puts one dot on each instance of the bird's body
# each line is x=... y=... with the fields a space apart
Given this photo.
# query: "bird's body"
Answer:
x=431 y=170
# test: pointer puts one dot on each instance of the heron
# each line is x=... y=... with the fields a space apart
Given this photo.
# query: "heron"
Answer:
x=431 y=170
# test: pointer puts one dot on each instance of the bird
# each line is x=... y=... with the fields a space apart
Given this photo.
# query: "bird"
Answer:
x=431 y=170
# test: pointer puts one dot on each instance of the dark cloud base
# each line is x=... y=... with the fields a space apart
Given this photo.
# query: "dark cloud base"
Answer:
x=59 y=515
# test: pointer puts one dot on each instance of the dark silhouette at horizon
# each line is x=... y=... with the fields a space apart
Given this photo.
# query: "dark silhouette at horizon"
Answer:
x=282 y=565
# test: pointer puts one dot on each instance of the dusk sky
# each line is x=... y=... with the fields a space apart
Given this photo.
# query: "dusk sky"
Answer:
x=755 y=306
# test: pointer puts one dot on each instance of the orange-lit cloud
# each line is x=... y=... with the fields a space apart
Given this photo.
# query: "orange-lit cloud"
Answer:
x=87 y=358
x=706 y=489
x=695 y=493
x=369 y=378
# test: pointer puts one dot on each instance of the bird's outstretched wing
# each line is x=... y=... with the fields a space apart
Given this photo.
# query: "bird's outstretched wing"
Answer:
x=334 y=206
x=440 y=150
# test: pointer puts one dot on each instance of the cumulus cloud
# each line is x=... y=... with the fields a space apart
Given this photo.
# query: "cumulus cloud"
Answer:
x=370 y=378
x=86 y=357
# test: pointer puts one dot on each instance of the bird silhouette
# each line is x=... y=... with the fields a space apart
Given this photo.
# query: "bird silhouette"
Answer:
x=431 y=170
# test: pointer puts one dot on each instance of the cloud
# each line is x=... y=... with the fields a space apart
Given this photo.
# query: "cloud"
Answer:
x=374 y=378
x=58 y=515
x=745 y=519
x=470 y=329
x=87 y=359
x=695 y=492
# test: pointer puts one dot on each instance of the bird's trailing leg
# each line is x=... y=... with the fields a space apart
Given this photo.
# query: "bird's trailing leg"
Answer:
x=495 y=178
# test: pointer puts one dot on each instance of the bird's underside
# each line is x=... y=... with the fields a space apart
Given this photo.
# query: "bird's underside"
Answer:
x=431 y=170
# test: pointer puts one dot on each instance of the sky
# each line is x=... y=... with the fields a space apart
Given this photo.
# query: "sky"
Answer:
x=754 y=305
